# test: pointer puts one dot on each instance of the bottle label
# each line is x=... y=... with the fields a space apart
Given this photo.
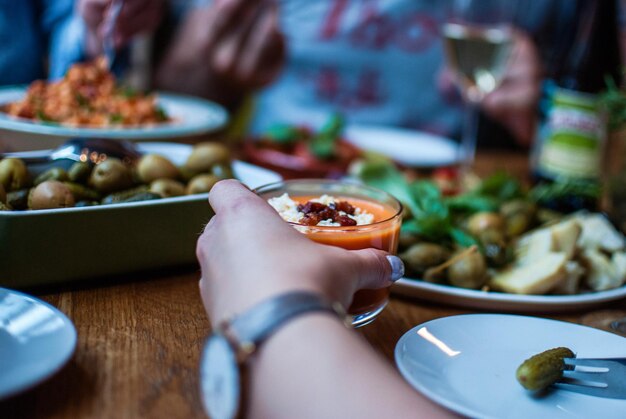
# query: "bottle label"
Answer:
x=571 y=137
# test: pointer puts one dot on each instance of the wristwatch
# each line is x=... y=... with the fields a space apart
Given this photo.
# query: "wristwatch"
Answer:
x=227 y=350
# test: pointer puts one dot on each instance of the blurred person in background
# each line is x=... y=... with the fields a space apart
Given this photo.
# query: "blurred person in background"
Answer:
x=39 y=38
x=43 y=38
x=376 y=62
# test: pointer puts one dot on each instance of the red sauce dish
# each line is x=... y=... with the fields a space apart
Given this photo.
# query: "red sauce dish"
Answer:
x=295 y=160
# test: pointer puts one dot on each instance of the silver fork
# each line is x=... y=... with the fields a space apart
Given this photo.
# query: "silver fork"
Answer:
x=595 y=377
x=109 y=26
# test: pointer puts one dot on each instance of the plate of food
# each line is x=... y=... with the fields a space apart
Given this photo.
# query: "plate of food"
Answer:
x=111 y=218
x=36 y=340
x=469 y=364
x=499 y=246
x=88 y=102
x=298 y=152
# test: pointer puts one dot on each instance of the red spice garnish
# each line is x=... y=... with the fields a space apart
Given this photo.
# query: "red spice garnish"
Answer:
x=314 y=212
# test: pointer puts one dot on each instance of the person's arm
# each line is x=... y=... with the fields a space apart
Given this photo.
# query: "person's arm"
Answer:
x=135 y=17
x=224 y=51
x=64 y=32
x=313 y=366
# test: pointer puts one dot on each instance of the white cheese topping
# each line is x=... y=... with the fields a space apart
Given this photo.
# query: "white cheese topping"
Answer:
x=288 y=209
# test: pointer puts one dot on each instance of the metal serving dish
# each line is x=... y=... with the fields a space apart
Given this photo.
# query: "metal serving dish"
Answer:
x=56 y=246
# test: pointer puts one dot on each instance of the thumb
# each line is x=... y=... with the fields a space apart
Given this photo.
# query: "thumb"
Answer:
x=376 y=268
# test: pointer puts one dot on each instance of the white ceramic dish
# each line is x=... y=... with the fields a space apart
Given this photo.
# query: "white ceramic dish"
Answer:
x=498 y=301
x=36 y=340
x=191 y=116
x=60 y=245
x=411 y=148
x=467 y=363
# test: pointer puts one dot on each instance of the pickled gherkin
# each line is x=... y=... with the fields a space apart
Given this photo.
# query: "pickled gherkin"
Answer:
x=542 y=370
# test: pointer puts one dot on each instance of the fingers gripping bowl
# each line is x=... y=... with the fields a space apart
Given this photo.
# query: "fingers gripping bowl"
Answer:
x=345 y=215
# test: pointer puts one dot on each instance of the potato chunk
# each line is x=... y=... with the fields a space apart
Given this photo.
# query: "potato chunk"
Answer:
x=538 y=277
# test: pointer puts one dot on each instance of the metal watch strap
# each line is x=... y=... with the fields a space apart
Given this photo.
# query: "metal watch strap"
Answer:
x=221 y=370
x=256 y=324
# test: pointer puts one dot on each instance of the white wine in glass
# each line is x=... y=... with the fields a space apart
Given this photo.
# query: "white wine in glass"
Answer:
x=478 y=40
x=478 y=56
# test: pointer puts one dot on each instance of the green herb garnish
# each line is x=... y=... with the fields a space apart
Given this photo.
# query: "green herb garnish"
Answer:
x=41 y=115
x=431 y=218
x=614 y=100
x=82 y=101
x=488 y=195
x=128 y=92
x=160 y=114
x=554 y=191
x=323 y=142
x=283 y=134
x=116 y=118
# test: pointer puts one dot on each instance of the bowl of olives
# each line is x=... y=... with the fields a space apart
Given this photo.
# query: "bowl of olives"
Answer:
x=89 y=220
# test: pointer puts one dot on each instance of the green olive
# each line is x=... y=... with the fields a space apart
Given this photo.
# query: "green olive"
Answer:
x=136 y=197
x=79 y=172
x=50 y=194
x=205 y=155
x=407 y=239
x=154 y=166
x=201 y=184
x=482 y=221
x=82 y=193
x=167 y=188
x=18 y=200
x=111 y=175
x=495 y=246
x=13 y=174
x=468 y=272
x=122 y=196
x=519 y=216
x=55 y=173
x=422 y=256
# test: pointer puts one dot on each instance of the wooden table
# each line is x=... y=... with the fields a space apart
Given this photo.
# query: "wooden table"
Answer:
x=139 y=341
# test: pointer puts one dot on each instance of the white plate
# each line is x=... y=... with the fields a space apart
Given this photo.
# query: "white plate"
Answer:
x=467 y=364
x=191 y=116
x=36 y=340
x=501 y=301
x=411 y=148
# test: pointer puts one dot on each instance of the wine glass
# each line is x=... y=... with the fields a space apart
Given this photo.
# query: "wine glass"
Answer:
x=478 y=39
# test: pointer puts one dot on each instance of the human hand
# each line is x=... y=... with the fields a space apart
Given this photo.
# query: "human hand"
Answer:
x=240 y=39
x=247 y=253
x=136 y=16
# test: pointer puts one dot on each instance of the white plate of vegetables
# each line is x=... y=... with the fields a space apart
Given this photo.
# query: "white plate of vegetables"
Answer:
x=499 y=247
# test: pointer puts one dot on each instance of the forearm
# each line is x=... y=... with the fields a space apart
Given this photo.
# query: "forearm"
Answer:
x=315 y=367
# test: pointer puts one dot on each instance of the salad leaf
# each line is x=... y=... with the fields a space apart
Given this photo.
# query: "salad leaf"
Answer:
x=431 y=214
x=282 y=134
x=472 y=203
x=116 y=118
x=546 y=192
x=488 y=195
x=323 y=142
x=614 y=100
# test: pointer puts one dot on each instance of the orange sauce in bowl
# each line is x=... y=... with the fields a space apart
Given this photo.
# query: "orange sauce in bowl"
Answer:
x=382 y=234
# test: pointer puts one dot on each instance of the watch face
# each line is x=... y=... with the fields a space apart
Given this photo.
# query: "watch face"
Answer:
x=219 y=378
